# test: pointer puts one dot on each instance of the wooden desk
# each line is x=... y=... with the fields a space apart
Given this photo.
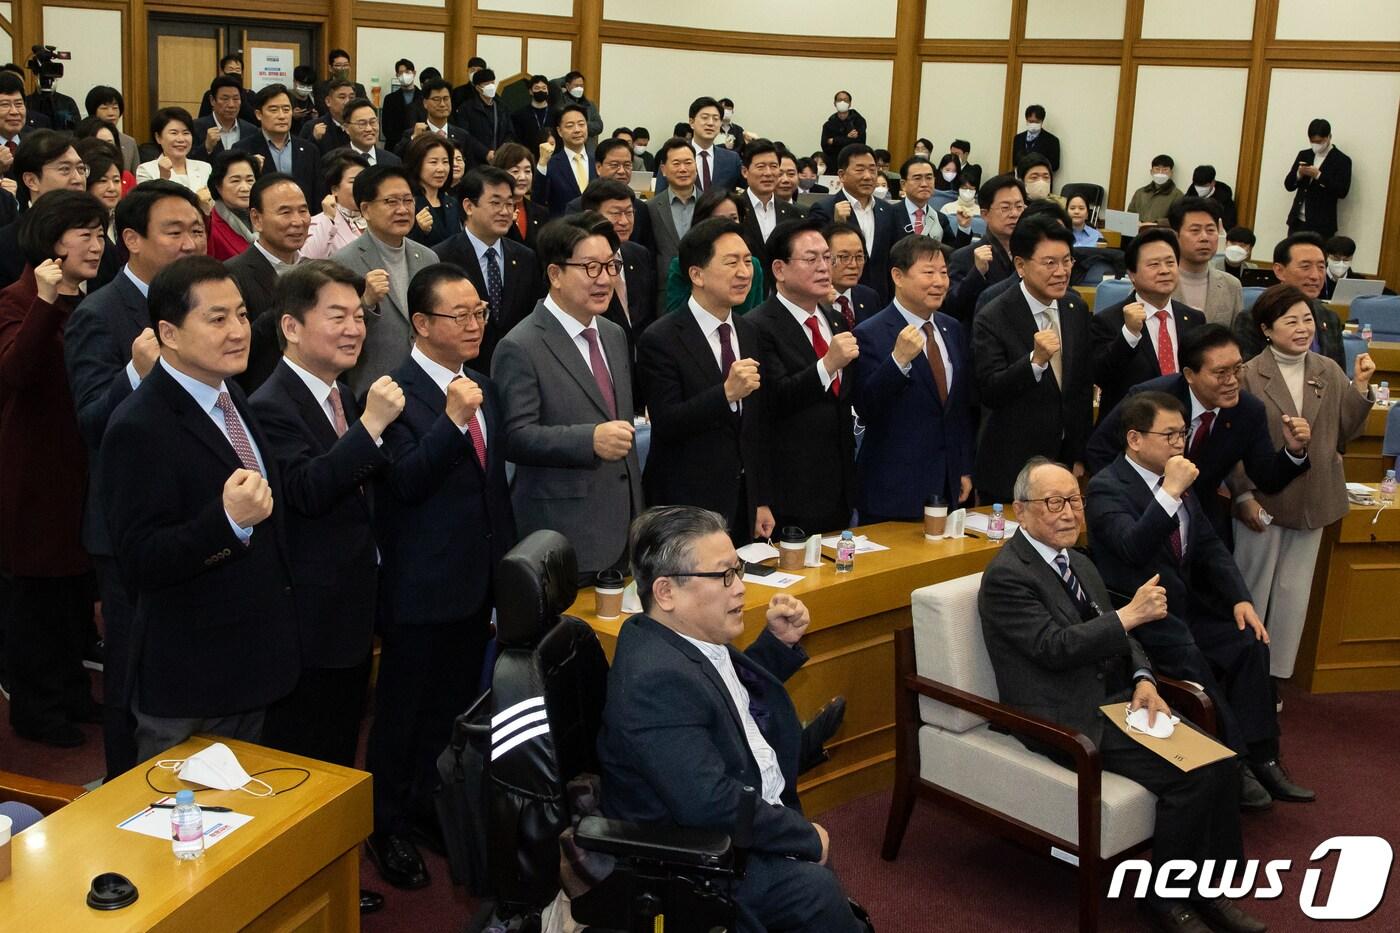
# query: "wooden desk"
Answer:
x=1363 y=461
x=1088 y=293
x=294 y=866
x=851 y=647
x=1352 y=637
x=1387 y=357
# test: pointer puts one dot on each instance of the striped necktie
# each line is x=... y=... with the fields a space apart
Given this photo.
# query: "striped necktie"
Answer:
x=1071 y=582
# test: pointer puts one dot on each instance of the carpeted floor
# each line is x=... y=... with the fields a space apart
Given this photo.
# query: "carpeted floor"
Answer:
x=953 y=877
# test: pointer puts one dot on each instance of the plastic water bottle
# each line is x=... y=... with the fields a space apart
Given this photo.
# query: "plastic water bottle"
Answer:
x=996 y=525
x=187 y=827
x=1366 y=333
x=1383 y=393
x=1388 y=488
x=846 y=553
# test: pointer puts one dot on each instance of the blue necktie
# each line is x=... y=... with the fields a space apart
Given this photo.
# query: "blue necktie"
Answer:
x=1076 y=591
x=493 y=283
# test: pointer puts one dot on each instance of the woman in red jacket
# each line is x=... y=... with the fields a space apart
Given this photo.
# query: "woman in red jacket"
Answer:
x=230 y=183
x=43 y=472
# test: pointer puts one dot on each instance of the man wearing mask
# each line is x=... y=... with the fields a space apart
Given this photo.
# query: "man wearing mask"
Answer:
x=531 y=124
x=1239 y=243
x=1151 y=201
x=1340 y=250
x=1300 y=259
x=339 y=61
x=403 y=106
x=1034 y=170
x=1196 y=223
x=1319 y=177
x=487 y=123
x=572 y=87
x=1035 y=138
x=808 y=176
x=305 y=108
x=842 y=128
x=328 y=132
x=731 y=134
x=1204 y=184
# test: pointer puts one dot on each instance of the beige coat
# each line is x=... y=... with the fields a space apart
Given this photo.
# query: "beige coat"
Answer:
x=1336 y=413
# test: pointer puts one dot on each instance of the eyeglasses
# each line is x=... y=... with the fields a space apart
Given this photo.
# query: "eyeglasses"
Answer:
x=8 y=105
x=1057 y=503
x=821 y=259
x=593 y=268
x=395 y=203
x=464 y=319
x=848 y=259
x=369 y=124
x=1173 y=437
x=726 y=577
x=69 y=169
x=1050 y=265
x=1232 y=374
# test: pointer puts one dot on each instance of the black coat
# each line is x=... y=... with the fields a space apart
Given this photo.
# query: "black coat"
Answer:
x=334 y=138
x=877 y=252
x=966 y=284
x=641 y=221
x=1318 y=196
x=257 y=282
x=522 y=285
x=753 y=233
x=397 y=117
x=1046 y=144
x=490 y=126
x=835 y=138
x=1117 y=366
x=528 y=130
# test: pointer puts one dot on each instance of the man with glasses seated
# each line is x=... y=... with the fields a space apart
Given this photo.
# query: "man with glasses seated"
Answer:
x=1060 y=652
x=362 y=125
x=690 y=720
x=1146 y=520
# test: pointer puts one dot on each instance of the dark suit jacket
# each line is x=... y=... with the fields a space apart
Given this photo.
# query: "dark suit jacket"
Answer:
x=471 y=149
x=1046 y=143
x=753 y=233
x=951 y=236
x=1117 y=366
x=536 y=216
x=526 y=127
x=479 y=122
x=202 y=126
x=639 y=272
x=724 y=173
x=560 y=187
x=257 y=281
x=1318 y=196
x=398 y=116
x=702 y=453
x=306 y=165
x=672 y=745
x=1048 y=660
x=641 y=221
x=835 y=138
x=877 y=252
x=522 y=285
x=812 y=442
x=96 y=348
x=1131 y=534
x=865 y=304
x=334 y=138
x=438 y=509
x=1328 y=334
x=914 y=445
x=327 y=515
x=965 y=283
x=202 y=596
x=1025 y=416
x=1224 y=195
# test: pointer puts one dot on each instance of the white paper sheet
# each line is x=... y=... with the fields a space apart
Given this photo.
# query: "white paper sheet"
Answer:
x=1125 y=222
x=863 y=544
x=155 y=822
x=777 y=579
x=757 y=552
x=977 y=524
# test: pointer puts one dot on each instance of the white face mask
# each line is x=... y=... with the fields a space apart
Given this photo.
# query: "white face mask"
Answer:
x=1320 y=148
x=949 y=175
x=1235 y=255
x=1160 y=178
x=216 y=767
x=728 y=116
x=1338 y=268
x=881 y=193
x=488 y=91
x=406 y=79
x=576 y=93
x=842 y=106
x=1035 y=190
x=302 y=90
x=1032 y=130
x=921 y=153
x=1203 y=190
x=967 y=195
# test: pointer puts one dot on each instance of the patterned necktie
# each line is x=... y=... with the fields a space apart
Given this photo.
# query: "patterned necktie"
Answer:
x=600 y=371
x=1071 y=582
x=493 y=283
x=844 y=304
x=935 y=362
x=1052 y=318
x=919 y=221
x=726 y=350
x=705 y=171
x=1177 y=550
x=1202 y=435
x=620 y=287
x=1166 y=354
x=338 y=410
x=819 y=344
x=237 y=437
x=474 y=431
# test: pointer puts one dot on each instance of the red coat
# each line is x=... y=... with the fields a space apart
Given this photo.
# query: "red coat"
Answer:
x=224 y=241
x=43 y=462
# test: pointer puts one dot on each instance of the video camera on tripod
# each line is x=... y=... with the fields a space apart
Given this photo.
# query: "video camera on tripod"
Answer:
x=47 y=65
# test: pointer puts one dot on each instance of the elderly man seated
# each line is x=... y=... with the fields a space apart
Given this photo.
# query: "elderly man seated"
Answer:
x=690 y=720
x=1060 y=652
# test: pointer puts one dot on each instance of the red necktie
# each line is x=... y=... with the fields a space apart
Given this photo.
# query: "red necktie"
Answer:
x=1202 y=433
x=705 y=171
x=600 y=371
x=1166 y=354
x=935 y=362
x=919 y=221
x=338 y=410
x=844 y=304
x=820 y=346
x=478 y=440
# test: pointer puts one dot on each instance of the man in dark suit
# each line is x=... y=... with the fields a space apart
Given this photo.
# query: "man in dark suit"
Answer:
x=570 y=169
x=699 y=370
x=505 y=274
x=1036 y=139
x=1002 y=200
x=1227 y=425
x=230 y=66
x=485 y=120
x=913 y=213
x=807 y=352
x=224 y=126
x=715 y=166
x=856 y=206
x=690 y=721
x=766 y=210
x=1300 y=259
x=855 y=302
x=444 y=521
x=633 y=306
x=1060 y=652
x=14 y=120
x=1138 y=338
x=194 y=508
x=612 y=161
x=328 y=130
x=914 y=391
x=109 y=347
x=1031 y=349
x=437 y=109
x=279 y=150
x=566 y=386
x=403 y=105
x=362 y=125
x=281 y=220
x=1144 y=520
x=1319 y=177
x=532 y=124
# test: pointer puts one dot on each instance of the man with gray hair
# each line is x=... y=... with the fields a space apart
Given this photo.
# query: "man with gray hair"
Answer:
x=690 y=721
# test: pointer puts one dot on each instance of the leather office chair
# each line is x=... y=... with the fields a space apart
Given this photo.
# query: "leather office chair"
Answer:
x=1092 y=194
x=1109 y=292
x=1382 y=312
x=1250 y=294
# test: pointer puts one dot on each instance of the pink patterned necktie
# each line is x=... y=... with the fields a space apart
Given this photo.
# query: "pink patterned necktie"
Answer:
x=237 y=437
x=338 y=409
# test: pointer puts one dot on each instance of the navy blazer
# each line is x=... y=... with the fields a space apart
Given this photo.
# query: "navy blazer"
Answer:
x=966 y=284
x=306 y=165
x=865 y=304
x=1117 y=366
x=888 y=230
x=1130 y=534
x=724 y=174
x=672 y=747
x=215 y=631
x=328 y=510
x=522 y=285
x=201 y=129
x=443 y=522
x=559 y=186
x=914 y=445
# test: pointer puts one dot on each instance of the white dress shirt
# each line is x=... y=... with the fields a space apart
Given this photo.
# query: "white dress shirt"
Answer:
x=1170 y=504
x=932 y=226
x=765 y=214
x=143 y=288
x=763 y=754
x=575 y=331
x=228 y=135
x=278 y=266
x=919 y=322
x=1150 y=327
x=700 y=165
x=1045 y=316
x=865 y=219
x=480 y=247
x=823 y=325
x=441 y=376
x=709 y=326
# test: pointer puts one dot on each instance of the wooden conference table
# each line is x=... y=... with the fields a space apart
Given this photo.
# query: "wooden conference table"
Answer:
x=293 y=867
x=1363 y=461
x=851 y=647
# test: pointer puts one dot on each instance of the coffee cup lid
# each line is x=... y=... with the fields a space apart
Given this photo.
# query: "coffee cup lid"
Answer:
x=609 y=579
x=935 y=500
x=793 y=535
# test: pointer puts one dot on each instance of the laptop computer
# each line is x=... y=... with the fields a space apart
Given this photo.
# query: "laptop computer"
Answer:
x=1349 y=288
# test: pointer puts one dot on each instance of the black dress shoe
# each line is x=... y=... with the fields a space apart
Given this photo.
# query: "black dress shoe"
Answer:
x=1253 y=796
x=59 y=735
x=1279 y=785
x=1222 y=915
x=370 y=901
x=817 y=732
x=1175 y=918
x=397 y=861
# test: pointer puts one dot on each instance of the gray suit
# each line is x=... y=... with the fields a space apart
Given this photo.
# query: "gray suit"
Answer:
x=1224 y=299
x=668 y=242
x=389 y=331
x=551 y=406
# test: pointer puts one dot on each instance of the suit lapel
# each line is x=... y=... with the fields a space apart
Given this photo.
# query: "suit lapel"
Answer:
x=1314 y=387
x=566 y=351
x=311 y=413
x=1274 y=386
x=196 y=421
x=1060 y=603
x=693 y=339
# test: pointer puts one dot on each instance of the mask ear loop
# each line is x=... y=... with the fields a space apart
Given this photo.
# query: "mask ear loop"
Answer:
x=269 y=792
x=170 y=764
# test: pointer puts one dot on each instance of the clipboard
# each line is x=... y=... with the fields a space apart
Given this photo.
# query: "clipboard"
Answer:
x=1187 y=747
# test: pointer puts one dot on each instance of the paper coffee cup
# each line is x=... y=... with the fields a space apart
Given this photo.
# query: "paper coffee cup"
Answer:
x=792 y=548
x=608 y=602
x=5 y=826
x=935 y=518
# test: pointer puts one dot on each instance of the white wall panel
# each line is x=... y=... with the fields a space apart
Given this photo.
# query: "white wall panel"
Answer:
x=439 y=4
x=962 y=100
x=1081 y=108
x=1075 y=19
x=782 y=98
x=378 y=49
x=1339 y=20
x=1172 y=106
x=551 y=57
x=796 y=17
x=94 y=38
x=1198 y=19
x=502 y=53
x=958 y=19
x=538 y=7
x=1361 y=106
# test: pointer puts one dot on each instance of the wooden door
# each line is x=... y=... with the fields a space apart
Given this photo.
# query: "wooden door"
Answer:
x=183 y=66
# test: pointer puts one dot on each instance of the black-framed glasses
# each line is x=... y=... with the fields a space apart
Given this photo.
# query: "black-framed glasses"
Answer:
x=1173 y=437
x=464 y=319
x=1057 y=503
x=593 y=268
x=726 y=577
